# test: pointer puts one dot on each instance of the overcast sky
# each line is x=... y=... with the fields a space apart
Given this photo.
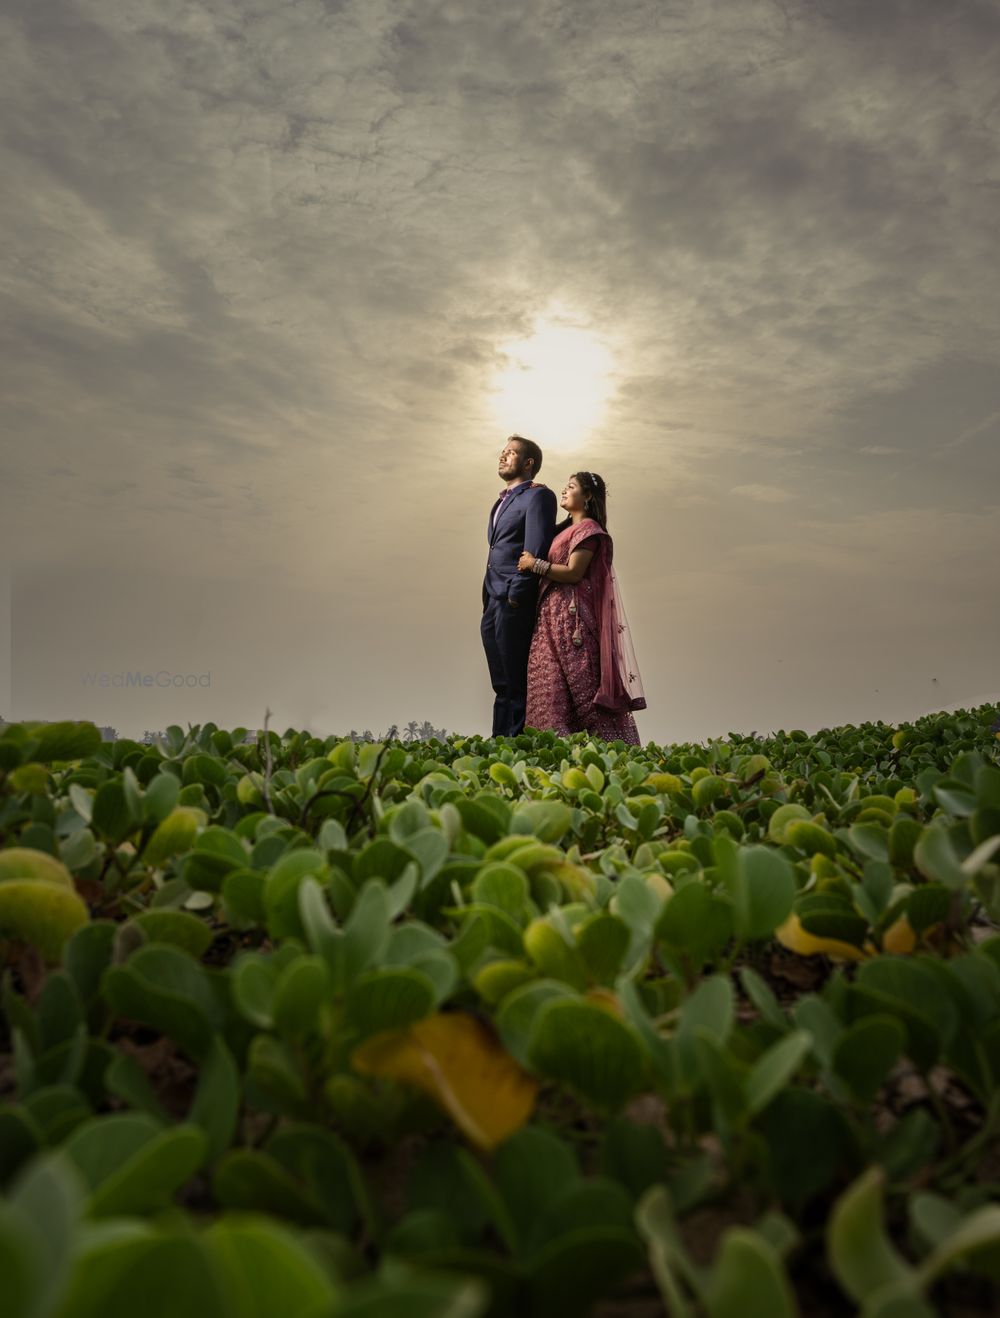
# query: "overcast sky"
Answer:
x=263 y=268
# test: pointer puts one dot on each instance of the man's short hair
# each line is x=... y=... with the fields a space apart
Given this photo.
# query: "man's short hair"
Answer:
x=529 y=449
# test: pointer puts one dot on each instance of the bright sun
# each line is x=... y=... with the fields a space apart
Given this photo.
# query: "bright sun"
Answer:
x=555 y=385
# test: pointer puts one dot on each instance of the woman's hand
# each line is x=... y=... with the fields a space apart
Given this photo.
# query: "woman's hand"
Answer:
x=525 y=562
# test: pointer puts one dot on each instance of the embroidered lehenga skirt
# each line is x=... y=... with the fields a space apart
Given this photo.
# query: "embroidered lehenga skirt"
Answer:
x=563 y=676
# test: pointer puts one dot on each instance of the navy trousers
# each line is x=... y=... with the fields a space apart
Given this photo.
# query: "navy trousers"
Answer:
x=506 y=633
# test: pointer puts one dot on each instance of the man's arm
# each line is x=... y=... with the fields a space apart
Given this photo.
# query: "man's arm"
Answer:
x=539 y=530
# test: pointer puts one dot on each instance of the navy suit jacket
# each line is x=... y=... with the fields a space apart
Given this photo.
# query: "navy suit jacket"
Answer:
x=526 y=520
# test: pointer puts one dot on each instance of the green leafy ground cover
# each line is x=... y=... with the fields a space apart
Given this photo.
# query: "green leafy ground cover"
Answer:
x=494 y=1027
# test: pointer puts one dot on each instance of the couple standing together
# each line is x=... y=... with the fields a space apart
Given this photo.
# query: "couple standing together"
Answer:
x=557 y=641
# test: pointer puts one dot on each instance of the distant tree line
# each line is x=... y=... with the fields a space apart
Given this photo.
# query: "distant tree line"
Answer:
x=413 y=731
x=107 y=733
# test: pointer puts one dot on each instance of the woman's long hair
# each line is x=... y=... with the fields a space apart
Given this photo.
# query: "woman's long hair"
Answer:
x=595 y=496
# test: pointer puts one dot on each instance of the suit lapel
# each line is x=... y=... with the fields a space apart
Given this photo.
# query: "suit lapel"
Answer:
x=505 y=505
x=490 y=528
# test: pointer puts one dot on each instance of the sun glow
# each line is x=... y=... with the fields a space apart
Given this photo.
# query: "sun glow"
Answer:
x=554 y=385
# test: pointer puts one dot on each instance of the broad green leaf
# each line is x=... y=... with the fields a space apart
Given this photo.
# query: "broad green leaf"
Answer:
x=832 y=916
x=447 y=1178
x=588 y=1049
x=367 y=930
x=430 y=848
x=909 y=991
x=243 y=897
x=129 y=1267
x=480 y=821
x=65 y=741
x=267 y=1269
x=165 y=988
x=126 y=1079
x=516 y=1018
x=861 y=1255
x=131 y=1164
x=389 y=999
x=711 y=1007
x=87 y=954
x=216 y=1105
x=571 y=1269
x=325 y=1165
x=49 y=1195
x=694 y=926
x=272 y=1068
x=748 y=1280
x=772 y=1071
x=20 y=1138
x=779 y=821
x=657 y=1225
x=281 y=891
x=554 y=956
x=179 y=928
x=160 y=797
x=722 y=1076
x=174 y=834
x=546 y=820
x=870 y=839
x=56 y=1110
x=253 y=979
x=416 y=1296
x=302 y=990
x=809 y=1144
x=111 y=818
x=633 y=1154
x=765 y=891
x=504 y=886
x=381 y=859
x=866 y=1052
x=603 y=942
x=253 y=1180
x=531 y=1168
x=976 y=1241
x=935 y=856
x=759 y=992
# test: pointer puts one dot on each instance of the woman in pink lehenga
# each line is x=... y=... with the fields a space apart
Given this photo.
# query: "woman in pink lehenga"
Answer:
x=582 y=673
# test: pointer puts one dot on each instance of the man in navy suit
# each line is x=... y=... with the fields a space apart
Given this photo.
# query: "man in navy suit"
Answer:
x=523 y=518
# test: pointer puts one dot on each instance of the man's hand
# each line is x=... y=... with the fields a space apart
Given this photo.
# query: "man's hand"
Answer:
x=525 y=562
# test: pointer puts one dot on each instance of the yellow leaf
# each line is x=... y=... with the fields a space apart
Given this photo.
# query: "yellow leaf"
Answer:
x=796 y=939
x=457 y=1061
x=900 y=938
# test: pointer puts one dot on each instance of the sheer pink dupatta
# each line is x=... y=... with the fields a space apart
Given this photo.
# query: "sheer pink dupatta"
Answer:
x=616 y=638
x=621 y=686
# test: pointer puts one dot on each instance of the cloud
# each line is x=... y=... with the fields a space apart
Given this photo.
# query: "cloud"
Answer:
x=259 y=262
x=763 y=493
